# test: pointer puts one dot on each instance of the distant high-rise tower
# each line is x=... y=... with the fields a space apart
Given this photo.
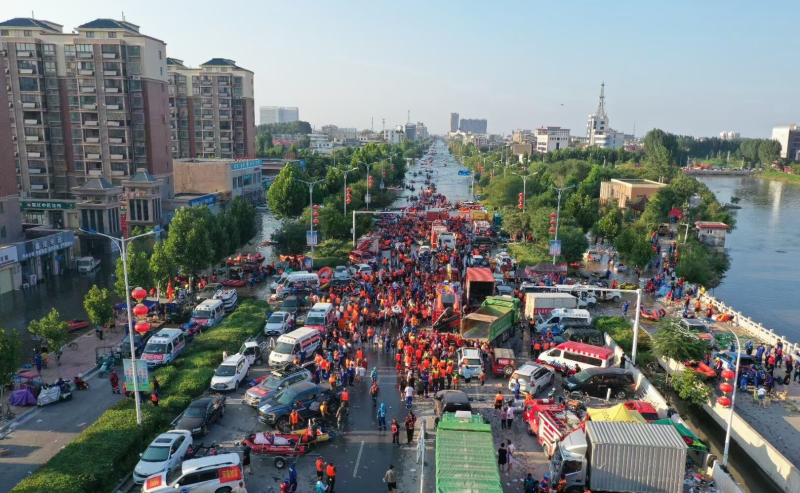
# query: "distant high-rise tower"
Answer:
x=454 y=122
x=278 y=114
x=598 y=131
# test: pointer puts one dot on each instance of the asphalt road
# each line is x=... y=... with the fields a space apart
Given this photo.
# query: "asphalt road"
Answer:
x=46 y=430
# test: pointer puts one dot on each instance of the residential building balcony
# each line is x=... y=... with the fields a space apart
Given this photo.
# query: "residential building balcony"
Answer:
x=87 y=89
x=85 y=72
x=109 y=55
x=89 y=106
x=24 y=54
x=112 y=89
x=31 y=138
x=93 y=156
x=28 y=105
x=115 y=140
x=112 y=106
x=37 y=186
x=90 y=123
x=26 y=70
x=92 y=140
x=111 y=73
x=205 y=82
x=115 y=123
x=117 y=173
x=32 y=122
x=34 y=154
x=94 y=172
x=36 y=171
x=85 y=54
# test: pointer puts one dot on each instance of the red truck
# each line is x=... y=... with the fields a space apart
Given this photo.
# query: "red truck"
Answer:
x=547 y=421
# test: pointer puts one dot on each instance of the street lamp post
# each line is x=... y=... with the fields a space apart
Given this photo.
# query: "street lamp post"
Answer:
x=311 y=211
x=558 y=210
x=369 y=190
x=122 y=245
x=524 y=185
x=733 y=399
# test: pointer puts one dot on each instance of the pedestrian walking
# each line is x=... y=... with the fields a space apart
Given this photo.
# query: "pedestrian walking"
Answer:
x=511 y=449
x=293 y=477
x=114 y=379
x=409 y=396
x=239 y=488
x=331 y=472
x=37 y=358
x=509 y=417
x=625 y=308
x=382 y=417
x=154 y=397
x=503 y=418
x=390 y=478
x=320 y=487
x=529 y=485
x=246 y=460
x=502 y=457
x=341 y=417
x=482 y=378
x=395 y=432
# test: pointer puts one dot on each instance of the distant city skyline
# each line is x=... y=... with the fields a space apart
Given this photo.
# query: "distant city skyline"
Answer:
x=685 y=74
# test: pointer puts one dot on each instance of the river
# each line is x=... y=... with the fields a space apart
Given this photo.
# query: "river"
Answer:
x=763 y=250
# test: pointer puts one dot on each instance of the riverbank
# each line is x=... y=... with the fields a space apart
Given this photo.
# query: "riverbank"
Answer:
x=779 y=176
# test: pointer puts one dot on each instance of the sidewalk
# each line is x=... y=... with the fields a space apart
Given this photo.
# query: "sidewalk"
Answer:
x=73 y=362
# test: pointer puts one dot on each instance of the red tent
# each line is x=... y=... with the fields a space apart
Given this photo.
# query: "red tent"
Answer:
x=676 y=213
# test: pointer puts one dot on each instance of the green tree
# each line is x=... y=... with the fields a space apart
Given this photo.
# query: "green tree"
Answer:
x=584 y=209
x=291 y=237
x=769 y=151
x=610 y=225
x=634 y=246
x=9 y=358
x=287 y=197
x=244 y=213
x=189 y=243
x=691 y=388
x=162 y=266
x=697 y=265
x=516 y=223
x=333 y=223
x=138 y=270
x=98 y=305
x=573 y=243
x=673 y=342
x=51 y=330
x=658 y=138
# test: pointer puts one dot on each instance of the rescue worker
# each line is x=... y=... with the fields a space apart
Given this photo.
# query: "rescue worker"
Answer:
x=395 y=432
x=331 y=472
x=114 y=379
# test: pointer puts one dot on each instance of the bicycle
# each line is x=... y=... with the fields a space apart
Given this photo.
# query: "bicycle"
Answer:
x=8 y=414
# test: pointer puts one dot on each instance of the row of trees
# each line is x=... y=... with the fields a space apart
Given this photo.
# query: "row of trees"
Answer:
x=288 y=196
x=197 y=239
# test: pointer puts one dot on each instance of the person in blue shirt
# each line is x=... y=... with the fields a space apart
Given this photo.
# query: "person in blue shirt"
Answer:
x=748 y=348
x=516 y=388
x=374 y=374
x=759 y=353
x=293 y=477
x=382 y=417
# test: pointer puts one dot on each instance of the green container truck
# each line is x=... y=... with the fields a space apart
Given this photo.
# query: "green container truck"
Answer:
x=465 y=455
x=495 y=321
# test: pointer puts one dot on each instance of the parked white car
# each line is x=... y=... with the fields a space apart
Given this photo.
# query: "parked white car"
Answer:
x=277 y=324
x=533 y=378
x=341 y=272
x=230 y=373
x=364 y=269
x=163 y=455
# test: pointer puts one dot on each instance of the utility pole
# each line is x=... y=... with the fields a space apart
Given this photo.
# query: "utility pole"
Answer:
x=311 y=209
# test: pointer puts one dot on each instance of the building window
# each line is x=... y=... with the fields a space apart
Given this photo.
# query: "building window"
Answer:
x=27 y=34
x=159 y=54
x=2 y=208
x=3 y=32
x=69 y=50
x=89 y=34
x=83 y=48
x=161 y=70
x=138 y=210
x=49 y=49
x=146 y=204
x=3 y=232
x=112 y=35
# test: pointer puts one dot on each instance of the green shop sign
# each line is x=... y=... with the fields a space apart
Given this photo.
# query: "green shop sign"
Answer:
x=50 y=205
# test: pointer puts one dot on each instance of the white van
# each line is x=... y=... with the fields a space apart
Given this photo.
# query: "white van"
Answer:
x=208 y=313
x=320 y=316
x=555 y=317
x=572 y=353
x=208 y=474
x=302 y=278
x=163 y=347
x=289 y=345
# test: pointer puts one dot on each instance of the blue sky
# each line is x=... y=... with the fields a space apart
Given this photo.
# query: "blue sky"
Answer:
x=694 y=68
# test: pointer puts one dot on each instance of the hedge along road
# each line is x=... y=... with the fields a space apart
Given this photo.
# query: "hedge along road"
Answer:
x=108 y=449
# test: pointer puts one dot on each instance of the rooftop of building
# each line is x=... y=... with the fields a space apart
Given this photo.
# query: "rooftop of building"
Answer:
x=110 y=24
x=28 y=22
x=711 y=225
x=174 y=62
x=223 y=62
x=96 y=184
x=639 y=182
x=142 y=177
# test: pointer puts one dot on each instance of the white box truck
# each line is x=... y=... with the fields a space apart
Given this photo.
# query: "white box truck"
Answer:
x=621 y=457
x=543 y=303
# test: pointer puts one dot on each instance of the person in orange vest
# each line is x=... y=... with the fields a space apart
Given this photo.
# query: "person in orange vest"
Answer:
x=395 y=432
x=332 y=380
x=294 y=419
x=537 y=348
x=320 y=466
x=345 y=397
x=331 y=471
x=498 y=400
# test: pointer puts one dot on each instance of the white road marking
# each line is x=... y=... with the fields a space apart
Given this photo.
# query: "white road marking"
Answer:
x=358 y=459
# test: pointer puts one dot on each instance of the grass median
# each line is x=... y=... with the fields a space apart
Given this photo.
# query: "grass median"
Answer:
x=108 y=449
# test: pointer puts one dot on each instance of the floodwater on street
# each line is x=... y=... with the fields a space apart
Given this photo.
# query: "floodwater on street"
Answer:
x=763 y=250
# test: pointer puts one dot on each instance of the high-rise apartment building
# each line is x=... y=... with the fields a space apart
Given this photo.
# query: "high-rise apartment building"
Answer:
x=278 y=114
x=212 y=110
x=789 y=137
x=10 y=215
x=410 y=131
x=85 y=104
x=550 y=139
x=475 y=126
x=422 y=131
x=730 y=135
x=453 y=122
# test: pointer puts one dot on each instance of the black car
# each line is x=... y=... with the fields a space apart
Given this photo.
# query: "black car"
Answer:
x=597 y=381
x=306 y=397
x=292 y=304
x=450 y=401
x=201 y=413
x=139 y=342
